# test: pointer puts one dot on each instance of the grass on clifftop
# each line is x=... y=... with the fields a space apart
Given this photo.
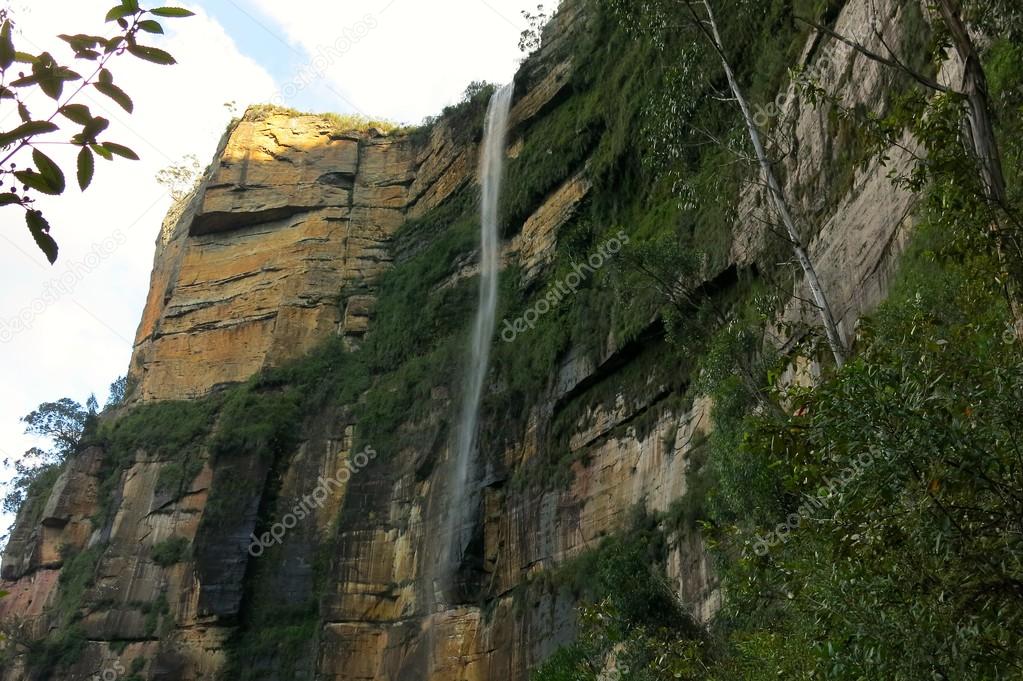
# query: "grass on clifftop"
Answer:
x=340 y=122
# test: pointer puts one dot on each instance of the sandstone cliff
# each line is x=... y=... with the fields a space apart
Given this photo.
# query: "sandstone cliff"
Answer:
x=283 y=247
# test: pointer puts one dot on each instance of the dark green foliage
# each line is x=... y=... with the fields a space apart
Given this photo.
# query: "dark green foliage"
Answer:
x=414 y=312
x=173 y=431
x=257 y=421
x=628 y=578
x=910 y=569
x=62 y=422
x=277 y=639
x=67 y=425
x=170 y=551
x=735 y=374
x=555 y=148
x=119 y=389
x=161 y=428
x=629 y=612
x=29 y=491
x=76 y=577
x=1004 y=64
x=58 y=651
x=155 y=613
x=66 y=640
x=687 y=512
x=568 y=663
x=465 y=118
x=906 y=572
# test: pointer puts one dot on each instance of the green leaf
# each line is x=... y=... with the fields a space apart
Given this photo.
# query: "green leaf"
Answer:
x=114 y=43
x=26 y=81
x=105 y=76
x=133 y=5
x=84 y=45
x=50 y=76
x=117 y=94
x=86 y=168
x=9 y=198
x=95 y=127
x=80 y=40
x=65 y=73
x=50 y=170
x=7 y=51
x=34 y=180
x=77 y=113
x=27 y=130
x=152 y=54
x=150 y=26
x=23 y=113
x=122 y=151
x=175 y=12
x=40 y=230
x=53 y=87
x=102 y=151
x=119 y=12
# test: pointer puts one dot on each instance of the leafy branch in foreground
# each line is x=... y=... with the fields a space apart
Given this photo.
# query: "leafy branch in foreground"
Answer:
x=22 y=74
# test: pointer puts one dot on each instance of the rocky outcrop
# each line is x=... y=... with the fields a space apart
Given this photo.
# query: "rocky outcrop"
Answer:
x=855 y=227
x=291 y=213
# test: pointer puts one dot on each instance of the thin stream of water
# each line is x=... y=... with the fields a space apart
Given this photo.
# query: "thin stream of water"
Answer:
x=459 y=518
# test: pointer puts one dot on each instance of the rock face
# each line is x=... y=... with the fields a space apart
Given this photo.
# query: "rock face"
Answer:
x=281 y=248
x=292 y=214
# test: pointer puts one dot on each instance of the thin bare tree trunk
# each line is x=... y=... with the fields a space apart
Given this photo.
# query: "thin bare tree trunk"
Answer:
x=985 y=146
x=835 y=341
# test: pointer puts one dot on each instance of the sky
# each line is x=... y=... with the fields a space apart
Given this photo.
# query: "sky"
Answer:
x=66 y=330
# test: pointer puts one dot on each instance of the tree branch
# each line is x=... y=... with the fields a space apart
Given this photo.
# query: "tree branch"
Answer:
x=893 y=62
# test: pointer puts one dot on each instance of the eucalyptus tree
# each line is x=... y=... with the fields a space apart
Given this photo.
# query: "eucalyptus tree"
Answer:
x=699 y=18
x=957 y=22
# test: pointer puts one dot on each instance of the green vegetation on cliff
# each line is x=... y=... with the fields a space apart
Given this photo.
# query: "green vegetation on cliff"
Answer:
x=866 y=527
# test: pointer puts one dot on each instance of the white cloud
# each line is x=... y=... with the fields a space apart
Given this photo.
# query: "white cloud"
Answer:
x=82 y=341
x=417 y=57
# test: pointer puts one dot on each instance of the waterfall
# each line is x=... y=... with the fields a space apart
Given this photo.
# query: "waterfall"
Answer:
x=459 y=518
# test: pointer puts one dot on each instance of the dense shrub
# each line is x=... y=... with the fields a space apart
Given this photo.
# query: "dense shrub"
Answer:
x=170 y=551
